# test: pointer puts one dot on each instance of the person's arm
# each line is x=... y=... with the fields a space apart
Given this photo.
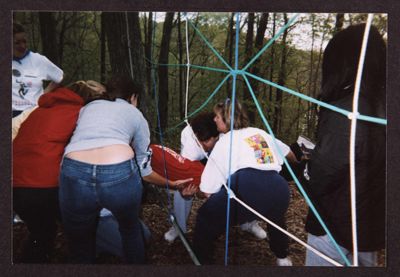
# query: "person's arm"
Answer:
x=156 y=179
x=54 y=74
x=291 y=158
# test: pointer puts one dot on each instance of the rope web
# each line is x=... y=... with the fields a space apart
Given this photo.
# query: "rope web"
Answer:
x=353 y=115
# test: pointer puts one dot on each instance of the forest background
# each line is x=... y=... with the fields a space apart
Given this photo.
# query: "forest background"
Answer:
x=96 y=45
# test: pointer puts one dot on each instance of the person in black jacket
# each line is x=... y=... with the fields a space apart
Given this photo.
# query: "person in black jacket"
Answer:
x=329 y=169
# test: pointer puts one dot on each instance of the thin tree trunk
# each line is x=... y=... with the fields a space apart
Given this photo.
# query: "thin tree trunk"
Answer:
x=247 y=99
x=281 y=82
x=49 y=36
x=163 y=70
x=229 y=46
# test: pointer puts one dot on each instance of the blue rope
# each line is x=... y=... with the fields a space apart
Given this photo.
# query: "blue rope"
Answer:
x=234 y=75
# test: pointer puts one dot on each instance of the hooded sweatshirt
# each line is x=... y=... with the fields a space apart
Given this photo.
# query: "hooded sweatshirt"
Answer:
x=40 y=143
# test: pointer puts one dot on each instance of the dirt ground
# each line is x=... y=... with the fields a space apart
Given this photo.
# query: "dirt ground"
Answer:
x=244 y=249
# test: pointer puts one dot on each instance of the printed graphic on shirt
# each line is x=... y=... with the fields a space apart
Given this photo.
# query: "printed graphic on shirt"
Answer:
x=24 y=81
x=262 y=152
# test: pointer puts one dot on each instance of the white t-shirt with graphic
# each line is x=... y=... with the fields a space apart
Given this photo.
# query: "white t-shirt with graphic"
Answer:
x=251 y=148
x=27 y=79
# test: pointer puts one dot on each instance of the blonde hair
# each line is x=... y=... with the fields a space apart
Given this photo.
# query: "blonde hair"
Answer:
x=241 y=119
x=89 y=90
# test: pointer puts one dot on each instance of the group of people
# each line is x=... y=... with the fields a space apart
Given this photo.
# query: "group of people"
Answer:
x=82 y=151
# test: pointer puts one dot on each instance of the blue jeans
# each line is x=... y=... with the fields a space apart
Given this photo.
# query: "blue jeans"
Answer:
x=326 y=246
x=265 y=191
x=84 y=190
x=108 y=238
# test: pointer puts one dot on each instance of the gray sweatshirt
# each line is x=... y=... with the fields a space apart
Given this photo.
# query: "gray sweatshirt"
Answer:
x=102 y=123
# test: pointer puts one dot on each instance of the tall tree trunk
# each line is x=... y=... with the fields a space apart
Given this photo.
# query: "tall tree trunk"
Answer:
x=148 y=49
x=247 y=99
x=271 y=69
x=115 y=26
x=102 y=51
x=258 y=44
x=49 y=36
x=163 y=70
x=281 y=81
x=181 y=72
x=311 y=77
x=229 y=47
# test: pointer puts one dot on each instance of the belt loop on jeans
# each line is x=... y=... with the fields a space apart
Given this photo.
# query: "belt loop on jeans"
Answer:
x=94 y=171
x=132 y=164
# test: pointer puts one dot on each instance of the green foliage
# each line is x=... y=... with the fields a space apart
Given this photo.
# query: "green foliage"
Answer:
x=79 y=36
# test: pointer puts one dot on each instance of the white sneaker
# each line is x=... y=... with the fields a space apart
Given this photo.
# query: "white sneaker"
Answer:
x=284 y=262
x=171 y=235
x=254 y=228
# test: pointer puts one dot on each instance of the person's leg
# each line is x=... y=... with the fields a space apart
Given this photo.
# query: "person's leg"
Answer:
x=79 y=209
x=267 y=193
x=210 y=223
x=324 y=245
x=121 y=193
x=182 y=209
x=108 y=237
x=39 y=210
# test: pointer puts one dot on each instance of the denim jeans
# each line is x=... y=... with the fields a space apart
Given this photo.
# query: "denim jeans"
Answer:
x=108 y=238
x=265 y=191
x=84 y=190
x=326 y=246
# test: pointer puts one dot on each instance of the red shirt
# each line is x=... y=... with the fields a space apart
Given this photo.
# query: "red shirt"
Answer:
x=177 y=166
x=39 y=146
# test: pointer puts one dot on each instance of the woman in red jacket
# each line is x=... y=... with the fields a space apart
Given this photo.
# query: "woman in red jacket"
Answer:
x=37 y=153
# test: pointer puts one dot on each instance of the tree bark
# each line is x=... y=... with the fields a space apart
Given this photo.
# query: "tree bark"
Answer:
x=163 y=70
x=281 y=81
x=115 y=26
x=247 y=99
x=49 y=36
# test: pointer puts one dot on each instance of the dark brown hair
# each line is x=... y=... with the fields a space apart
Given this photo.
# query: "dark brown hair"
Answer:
x=204 y=127
x=18 y=28
x=122 y=86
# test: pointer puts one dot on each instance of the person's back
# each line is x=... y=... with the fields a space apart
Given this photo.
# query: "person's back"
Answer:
x=329 y=167
x=38 y=147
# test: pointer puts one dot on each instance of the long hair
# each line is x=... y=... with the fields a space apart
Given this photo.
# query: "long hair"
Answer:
x=241 y=118
x=89 y=90
x=340 y=64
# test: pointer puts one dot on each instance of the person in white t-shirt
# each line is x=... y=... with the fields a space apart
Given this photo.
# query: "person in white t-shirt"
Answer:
x=255 y=179
x=29 y=70
x=207 y=135
x=203 y=130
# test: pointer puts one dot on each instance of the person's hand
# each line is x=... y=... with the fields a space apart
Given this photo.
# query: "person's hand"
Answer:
x=189 y=190
x=179 y=184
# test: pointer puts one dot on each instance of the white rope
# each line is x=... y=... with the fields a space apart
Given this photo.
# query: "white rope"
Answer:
x=353 y=118
x=232 y=195
x=187 y=66
x=129 y=43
